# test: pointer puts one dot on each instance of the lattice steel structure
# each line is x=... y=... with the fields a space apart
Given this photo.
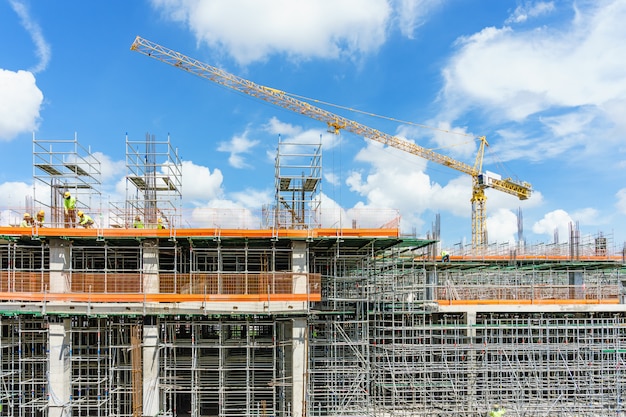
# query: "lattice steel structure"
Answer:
x=60 y=166
x=298 y=179
x=153 y=185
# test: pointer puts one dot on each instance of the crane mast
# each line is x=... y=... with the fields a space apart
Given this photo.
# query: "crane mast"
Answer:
x=336 y=123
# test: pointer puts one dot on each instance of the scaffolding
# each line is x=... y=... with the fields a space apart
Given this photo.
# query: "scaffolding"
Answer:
x=393 y=333
x=153 y=185
x=60 y=166
x=298 y=176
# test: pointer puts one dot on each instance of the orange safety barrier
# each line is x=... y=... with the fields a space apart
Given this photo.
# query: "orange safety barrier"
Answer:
x=528 y=302
x=156 y=298
x=209 y=233
x=277 y=286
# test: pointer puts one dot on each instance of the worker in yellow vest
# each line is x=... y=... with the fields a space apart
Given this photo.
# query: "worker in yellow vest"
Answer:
x=41 y=218
x=496 y=411
x=27 y=221
x=69 y=208
x=85 y=220
x=137 y=224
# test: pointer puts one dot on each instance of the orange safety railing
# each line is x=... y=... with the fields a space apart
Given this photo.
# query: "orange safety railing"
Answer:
x=528 y=294
x=14 y=284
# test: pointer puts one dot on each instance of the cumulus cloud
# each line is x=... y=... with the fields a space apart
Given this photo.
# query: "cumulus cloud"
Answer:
x=502 y=226
x=300 y=30
x=396 y=179
x=555 y=224
x=297 y=135
x=223 y=214
x=575 y=72
x=20 y=103
x=200 y=184
x=237 y=147
x=109 y=169
x=13 y=194
x=20 y=98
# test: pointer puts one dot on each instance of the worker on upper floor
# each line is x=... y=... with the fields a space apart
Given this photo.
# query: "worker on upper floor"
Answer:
x=496 y=411
x=137 y=224
x=27 y=221
x=69 y=206
x=445 y=256
x=160 y=224
x=40 y=219
x=85 y=220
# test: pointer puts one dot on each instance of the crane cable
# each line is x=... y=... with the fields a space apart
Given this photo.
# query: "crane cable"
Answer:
x=393 y=119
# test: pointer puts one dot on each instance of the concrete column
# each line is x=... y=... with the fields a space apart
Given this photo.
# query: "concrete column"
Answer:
x=60 y=276
x=299 y=366
x=150 y=355
x=576 y=282
x=431 y=285
x=471 y=359
x=59 y=369
x=300 y=267
x=150 y=267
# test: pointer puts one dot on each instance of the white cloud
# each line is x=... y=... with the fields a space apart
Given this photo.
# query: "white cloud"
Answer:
x=411 y=14
x=529 y=10
x=558 y=221
x=109 y=169
x=20 y=103
x=502 y=226
x=253 y=199
x=514 y=74
x=223 y=214
x=200 y=184
x=277 y=127
x=397 y=180
x=13 y=194
x=237 y=147
x=295 y=134
x=43 y=49
x=302 y=29
x=587 y=216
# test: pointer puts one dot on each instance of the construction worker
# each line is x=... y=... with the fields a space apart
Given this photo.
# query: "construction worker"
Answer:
x=160 y=223
x=138 y=224
x=496 y=411
x=27 y=221
x=69 y=205
x=85 y=220
x=445 y=256
x=40 y=219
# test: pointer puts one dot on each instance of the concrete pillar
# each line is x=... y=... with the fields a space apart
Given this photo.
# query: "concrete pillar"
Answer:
x=299 y=366
x=150 y=355
x=59 y=369
x=431 y=285
x=60 y=276
x=576 y=282
x=300 y=267
x=150 y=267
x=472 y=368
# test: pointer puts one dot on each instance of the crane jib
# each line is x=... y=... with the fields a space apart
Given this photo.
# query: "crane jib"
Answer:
x=480 y=180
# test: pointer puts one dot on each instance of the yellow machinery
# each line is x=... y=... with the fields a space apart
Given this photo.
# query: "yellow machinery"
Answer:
x=480 y=180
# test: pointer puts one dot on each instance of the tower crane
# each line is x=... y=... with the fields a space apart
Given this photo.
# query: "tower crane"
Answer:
x=480 y=180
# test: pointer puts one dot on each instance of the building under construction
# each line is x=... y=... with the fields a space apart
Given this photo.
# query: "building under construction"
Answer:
x=291 y=318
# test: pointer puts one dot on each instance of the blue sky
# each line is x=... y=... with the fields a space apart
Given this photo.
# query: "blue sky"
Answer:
x=544 y=81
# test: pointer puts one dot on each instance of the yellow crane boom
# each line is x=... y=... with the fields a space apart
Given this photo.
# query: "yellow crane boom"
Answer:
x=480 y=180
